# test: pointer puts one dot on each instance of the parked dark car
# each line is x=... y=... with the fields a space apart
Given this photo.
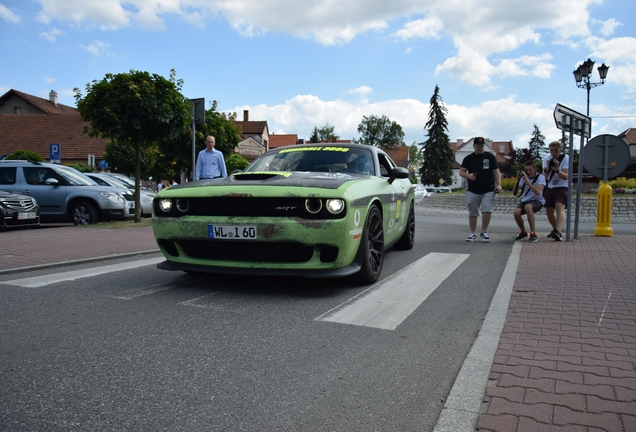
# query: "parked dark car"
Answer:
x=18 y=210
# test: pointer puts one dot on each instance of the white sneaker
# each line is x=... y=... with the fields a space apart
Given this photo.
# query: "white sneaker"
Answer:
x=471 y=238
x=484 y=237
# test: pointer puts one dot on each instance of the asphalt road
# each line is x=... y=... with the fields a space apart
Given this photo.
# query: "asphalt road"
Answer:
x=145 y=349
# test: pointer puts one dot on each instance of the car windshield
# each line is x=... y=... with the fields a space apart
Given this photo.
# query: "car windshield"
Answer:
x=316 y=159
x=73 y=176
x=123 y=180
x=115 y=181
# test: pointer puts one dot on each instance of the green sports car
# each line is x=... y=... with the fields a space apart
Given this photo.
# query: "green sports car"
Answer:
x=313 y=210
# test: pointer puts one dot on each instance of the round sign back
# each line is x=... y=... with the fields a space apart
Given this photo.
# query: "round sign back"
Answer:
x=617 y=156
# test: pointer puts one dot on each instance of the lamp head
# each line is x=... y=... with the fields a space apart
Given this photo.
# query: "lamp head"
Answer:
x=602 y=72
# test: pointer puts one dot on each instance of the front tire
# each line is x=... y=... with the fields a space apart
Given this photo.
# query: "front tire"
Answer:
x=84 y=213
x=372 y=247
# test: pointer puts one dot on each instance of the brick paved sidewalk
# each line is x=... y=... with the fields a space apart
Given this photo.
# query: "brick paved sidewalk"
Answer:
x=566 y=360
x=64 y=244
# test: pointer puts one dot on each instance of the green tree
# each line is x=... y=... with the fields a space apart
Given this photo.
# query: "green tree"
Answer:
x=314 y=138
x=326 y=134
x=121 y=159
x=380 y=132
x=536 y=145
x=437 y=153
x=25 y=155
x=415 y=158
x=235 y=162
x=175 y=154
x=136 y=109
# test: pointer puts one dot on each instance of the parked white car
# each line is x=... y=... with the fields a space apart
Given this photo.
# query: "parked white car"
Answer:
x=145 y=197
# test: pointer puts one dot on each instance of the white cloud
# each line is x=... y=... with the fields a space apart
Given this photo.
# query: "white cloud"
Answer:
x=495 y=119
x=429 y=27
x=620 y=55
x=97 y=48
x=608 y=27
x=49 y=79
x=8 y=15
x=52 y=35
x=478 y=30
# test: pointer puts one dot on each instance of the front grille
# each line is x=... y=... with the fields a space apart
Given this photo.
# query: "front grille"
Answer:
x=284 y=252
x=19 y=204
x=290 y=207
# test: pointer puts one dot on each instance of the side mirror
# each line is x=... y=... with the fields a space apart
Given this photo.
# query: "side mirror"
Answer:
x=51 y=182
x=398 y=173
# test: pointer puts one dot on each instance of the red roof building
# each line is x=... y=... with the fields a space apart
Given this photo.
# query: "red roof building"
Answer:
x=32 y=123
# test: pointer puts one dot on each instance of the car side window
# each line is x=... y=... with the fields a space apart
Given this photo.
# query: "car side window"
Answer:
x=33 y=176
x=7 y=175
x=386 y=165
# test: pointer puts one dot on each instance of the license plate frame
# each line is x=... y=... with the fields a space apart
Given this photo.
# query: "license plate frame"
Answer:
x=233 y=232
x=26 y=215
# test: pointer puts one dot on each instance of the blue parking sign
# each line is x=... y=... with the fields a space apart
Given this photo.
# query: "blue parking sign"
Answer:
x=55 y=153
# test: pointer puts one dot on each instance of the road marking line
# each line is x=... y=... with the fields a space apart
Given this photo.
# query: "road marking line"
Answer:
x=386 y=304
x=40 y=281
x=139 y=293
x=198 y=303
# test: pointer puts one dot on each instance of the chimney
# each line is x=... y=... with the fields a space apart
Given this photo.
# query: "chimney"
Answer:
x=460 y=141
x=53 y=97
x=246 y=115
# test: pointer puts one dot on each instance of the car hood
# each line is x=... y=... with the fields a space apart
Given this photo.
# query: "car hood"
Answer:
x=12 y=195
x=324 y=180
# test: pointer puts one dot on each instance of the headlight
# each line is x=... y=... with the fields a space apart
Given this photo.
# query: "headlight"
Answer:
x=335 y=206
x=114 y=197
x=165 y=205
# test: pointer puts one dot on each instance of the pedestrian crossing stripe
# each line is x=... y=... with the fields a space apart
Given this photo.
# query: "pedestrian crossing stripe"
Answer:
x=389 y=302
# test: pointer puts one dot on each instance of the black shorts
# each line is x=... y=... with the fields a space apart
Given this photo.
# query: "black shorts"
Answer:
x=536 y=206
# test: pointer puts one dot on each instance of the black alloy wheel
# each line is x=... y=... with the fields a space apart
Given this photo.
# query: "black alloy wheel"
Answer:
x=372 y=247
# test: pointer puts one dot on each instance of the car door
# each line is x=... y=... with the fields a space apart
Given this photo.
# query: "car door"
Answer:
x=47 y=187
x=395 y=214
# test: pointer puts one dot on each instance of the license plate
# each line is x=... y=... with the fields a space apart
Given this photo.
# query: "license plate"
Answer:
x=27 y=215
x=232 y=232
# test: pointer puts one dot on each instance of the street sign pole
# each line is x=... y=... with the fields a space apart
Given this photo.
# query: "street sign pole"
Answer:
x=576 y=123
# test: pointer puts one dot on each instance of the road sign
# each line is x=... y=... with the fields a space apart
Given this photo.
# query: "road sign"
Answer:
x=606 y=156
x=55 y=153
x=199 y=110
x=569 y=120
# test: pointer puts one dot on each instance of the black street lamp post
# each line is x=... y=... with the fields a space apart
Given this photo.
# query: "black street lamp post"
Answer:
x=582 y=76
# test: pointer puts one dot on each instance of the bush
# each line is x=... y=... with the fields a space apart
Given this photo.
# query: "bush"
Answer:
x=623 y=183
x=82 y=168
x=508 y=184
x=235 y=162
x=25 y=155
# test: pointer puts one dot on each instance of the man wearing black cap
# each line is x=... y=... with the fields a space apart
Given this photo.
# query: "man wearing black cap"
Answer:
x=484 y=180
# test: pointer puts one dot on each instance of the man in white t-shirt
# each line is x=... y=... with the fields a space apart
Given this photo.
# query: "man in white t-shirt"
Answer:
x=555 y=169
x=531 y=185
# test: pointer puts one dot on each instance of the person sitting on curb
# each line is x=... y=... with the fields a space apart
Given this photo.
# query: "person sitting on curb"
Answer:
x=532 y=201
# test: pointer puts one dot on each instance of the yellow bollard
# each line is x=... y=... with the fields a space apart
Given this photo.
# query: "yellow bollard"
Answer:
x=604 y=211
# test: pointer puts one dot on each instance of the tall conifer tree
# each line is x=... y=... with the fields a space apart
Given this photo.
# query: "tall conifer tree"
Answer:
x=436 y=151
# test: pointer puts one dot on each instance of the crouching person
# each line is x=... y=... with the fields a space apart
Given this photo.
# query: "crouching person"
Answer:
x=530 y=188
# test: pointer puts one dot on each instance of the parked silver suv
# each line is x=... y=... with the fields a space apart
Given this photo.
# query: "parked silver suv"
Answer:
x=63 y=193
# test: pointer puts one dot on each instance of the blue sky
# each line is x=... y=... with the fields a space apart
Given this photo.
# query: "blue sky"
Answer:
x=501 y=65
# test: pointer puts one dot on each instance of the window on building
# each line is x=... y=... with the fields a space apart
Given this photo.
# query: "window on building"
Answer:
x=16 y=110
